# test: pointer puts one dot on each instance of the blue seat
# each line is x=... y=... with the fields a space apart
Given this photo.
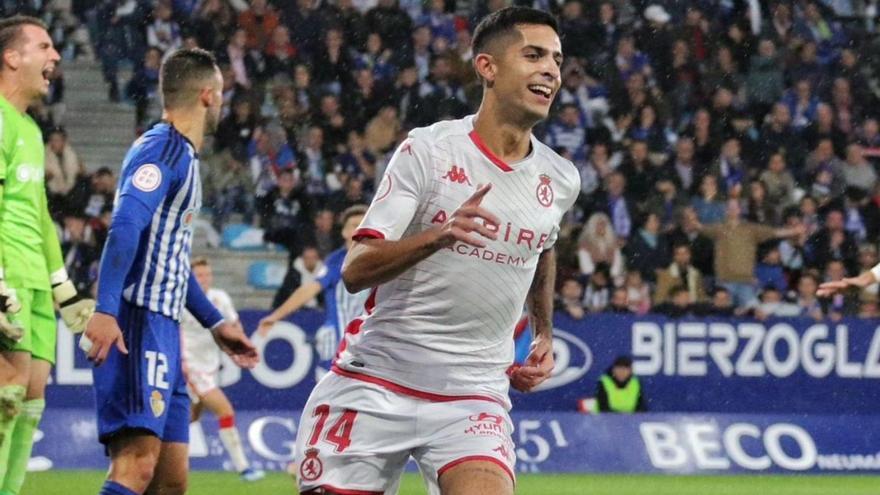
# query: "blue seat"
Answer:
x=243 y=237
x=266 y=274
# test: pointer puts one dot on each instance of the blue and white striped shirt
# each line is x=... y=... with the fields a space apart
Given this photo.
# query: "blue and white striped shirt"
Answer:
x=161 y=170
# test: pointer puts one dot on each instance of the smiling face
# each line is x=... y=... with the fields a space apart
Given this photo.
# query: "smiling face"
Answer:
x=33 y=58
x=523 y=71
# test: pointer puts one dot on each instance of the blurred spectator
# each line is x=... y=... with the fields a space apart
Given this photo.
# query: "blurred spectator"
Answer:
x=646 y=250
x=771 y=303
x=332 y=64
x=101 y=192
x=258 y=22
x=613 y=202
x=759 y=209
x=598 y=244
x=236 y=130
x=769 y=272
x=638 y=293
x=280 y=53
x=268 y=155
x=857 y=172
x=681 y=273
x=678 y=304
x=120 y=37
x=285 y=215
x=163 y=33
x=81 y=254
x=568 y=133
x=570 y=298
x=326 y=237
x=619 y=303
x=832 y=242
x=778 y=181
x=212 y=20
x=63 y=169
x=842 y=303
x=596 y=169
x=308 y=267
x=143 y=90
x=598 y=291
x=701 y=247
x=722 y=303
x=228 y=188
x=736 y=245
x=709 y=205
x=619 y=390
x=391 y=22
x=806 y=297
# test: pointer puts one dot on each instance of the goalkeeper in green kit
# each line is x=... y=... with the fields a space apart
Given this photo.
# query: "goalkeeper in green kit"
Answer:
x=32 y=275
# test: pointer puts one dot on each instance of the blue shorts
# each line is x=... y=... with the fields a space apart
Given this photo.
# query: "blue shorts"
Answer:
x=146 y=389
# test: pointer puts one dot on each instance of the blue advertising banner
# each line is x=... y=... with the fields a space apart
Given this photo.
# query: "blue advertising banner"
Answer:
x=705 y=365
x=550 y=442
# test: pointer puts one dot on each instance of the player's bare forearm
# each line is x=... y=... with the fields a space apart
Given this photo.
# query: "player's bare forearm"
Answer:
x=372 y=262
x=540 y=297
x=298 y=299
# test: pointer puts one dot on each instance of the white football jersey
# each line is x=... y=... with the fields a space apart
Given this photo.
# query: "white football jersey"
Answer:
x=200 y=352
x=445 y=326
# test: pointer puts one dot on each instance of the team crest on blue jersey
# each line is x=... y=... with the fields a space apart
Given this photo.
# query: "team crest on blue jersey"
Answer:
x=157 y=403
x=188 y=217
x=147 y=177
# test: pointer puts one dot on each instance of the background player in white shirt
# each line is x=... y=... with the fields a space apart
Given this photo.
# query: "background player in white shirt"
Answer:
x=201 y=362
x=457 y=239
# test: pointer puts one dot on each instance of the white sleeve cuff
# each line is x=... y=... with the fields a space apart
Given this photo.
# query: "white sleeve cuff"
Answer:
x=58 y=277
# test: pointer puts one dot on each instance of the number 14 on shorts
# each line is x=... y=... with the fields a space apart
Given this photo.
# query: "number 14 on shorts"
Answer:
x=339 y=433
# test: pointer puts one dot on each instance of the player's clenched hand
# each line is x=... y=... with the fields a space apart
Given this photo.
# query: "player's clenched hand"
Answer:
x=231 y=339
x=470 y=218
x=537 y=368
x=103 y=332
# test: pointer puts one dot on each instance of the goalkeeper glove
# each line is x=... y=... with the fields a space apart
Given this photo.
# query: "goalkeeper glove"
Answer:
x=75 y=310
x=10 y=332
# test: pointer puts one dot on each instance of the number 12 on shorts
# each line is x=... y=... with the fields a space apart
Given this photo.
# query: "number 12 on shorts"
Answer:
x=339 y=434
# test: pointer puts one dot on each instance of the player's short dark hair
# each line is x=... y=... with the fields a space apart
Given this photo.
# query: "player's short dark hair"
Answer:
x=199 y=261
x=352 y=211
x=181 y=72
x=12 y=27
x=504 y=22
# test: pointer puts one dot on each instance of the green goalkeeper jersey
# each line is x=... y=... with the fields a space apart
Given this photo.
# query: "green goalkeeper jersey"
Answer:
x=23 y=210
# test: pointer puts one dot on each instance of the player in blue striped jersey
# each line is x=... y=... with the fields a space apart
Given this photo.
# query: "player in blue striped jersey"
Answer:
x=340 y=306
x=144 y=284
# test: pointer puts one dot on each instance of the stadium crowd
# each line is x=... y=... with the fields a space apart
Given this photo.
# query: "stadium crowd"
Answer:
x=728 y=150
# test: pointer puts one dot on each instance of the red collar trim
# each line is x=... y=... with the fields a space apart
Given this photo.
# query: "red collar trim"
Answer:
x=488 y=153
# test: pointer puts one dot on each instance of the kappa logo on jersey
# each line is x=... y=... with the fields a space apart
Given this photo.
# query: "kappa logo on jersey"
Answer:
x=157 y=403
x=147 y=177
x=457 y=175
x=311 y=467
x=544 y=192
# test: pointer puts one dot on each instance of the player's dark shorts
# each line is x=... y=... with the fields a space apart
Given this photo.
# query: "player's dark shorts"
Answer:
x=146 y=389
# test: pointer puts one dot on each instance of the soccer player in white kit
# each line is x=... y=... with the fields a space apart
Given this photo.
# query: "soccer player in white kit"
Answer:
x=459 y=236
x=201 y=362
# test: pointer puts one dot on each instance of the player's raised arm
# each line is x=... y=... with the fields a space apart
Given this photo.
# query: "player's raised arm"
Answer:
x=861 y=281
x=229 y=336
x=380 y=254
